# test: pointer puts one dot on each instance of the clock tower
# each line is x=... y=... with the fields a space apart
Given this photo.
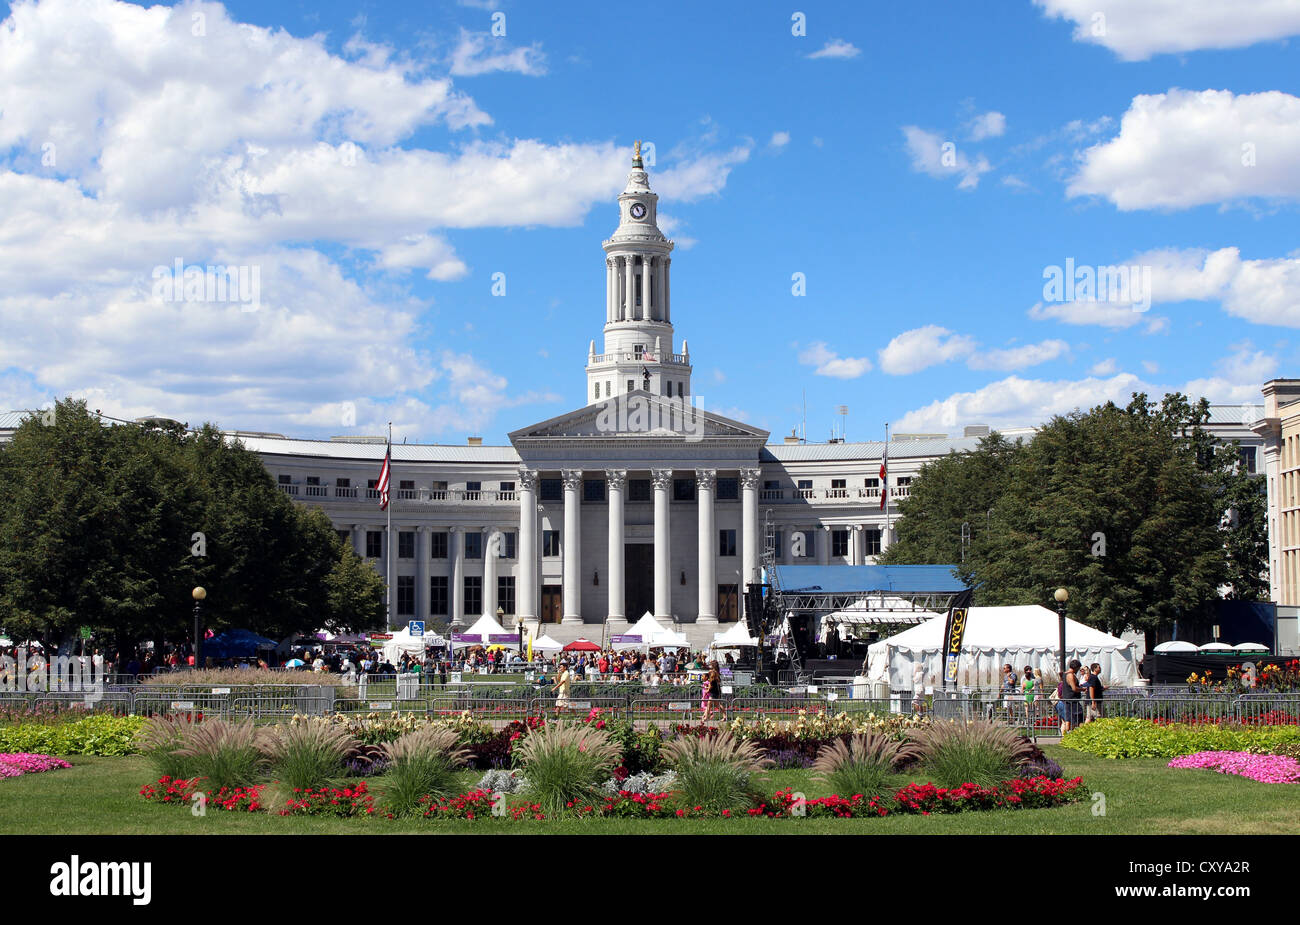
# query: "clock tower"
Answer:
x=638 y=350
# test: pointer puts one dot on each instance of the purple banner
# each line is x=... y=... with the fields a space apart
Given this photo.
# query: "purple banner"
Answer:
x=466 y=637
x=615 y=640
x=503 y=637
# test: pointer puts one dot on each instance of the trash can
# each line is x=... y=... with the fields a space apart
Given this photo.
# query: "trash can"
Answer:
x=408 y=686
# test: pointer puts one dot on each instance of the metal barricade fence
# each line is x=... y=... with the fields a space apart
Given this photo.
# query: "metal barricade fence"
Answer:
x=666 y=712
x=116 y=702
x=495 y=712
x=579 y=706
x=1275 y=709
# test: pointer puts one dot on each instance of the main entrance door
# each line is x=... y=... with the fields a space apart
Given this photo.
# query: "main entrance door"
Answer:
x=552 y=603
x=639 y=580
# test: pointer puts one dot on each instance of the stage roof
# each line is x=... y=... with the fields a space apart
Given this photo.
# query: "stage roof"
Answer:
x=866 y=579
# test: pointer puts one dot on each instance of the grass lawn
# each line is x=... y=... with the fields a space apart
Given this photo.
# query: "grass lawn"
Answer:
x=100 y=796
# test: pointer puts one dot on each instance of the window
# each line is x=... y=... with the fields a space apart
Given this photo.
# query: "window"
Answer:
x=438 y=544
x=871 y=483
x=345 y=536
x=871 y=541
x=506 y=547
x=727 y=604
x=728 y=489
x=726 y=542
x=631 y=385
x=285 y=480
x=438 y=596
x=680 y=392
x=1248 y=458
x=550 y=542
x=771 y=484
x=313 y=480
x=342 y=483
x=473 y=594
x=406 y=485
x=838 y=483
x=374 y=544
x=638 y=489
x=809 y=544
x=839 y=542
x=473 y=545
x=506 y=593
x=805 y=484
x=406 y=595
x=683 y=489
x=637 y=351
x=608 y=387
x=406 y=544
x=668 y=388
x=550 y=490
x=507 y=487
x=593 y=490
x=903 y=481
x=778 y=543
x=473 y=486
x=597 y=395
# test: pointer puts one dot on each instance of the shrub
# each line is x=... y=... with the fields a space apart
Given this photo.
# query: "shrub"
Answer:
x=642 y=784
x=306 y=755
x=227 y=755
x=715 y=772
x=158 y=741
x=100 y=734
x=978 y=753
x=1140 y=738
x=498 y=781
x=565 y=765
x=421 y=764
x=865 y=765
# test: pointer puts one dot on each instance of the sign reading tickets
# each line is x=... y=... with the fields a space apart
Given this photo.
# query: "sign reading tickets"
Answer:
x=954 y=632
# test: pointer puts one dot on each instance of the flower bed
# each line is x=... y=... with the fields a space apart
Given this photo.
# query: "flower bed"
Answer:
x=1141 y=738
x=179 y=792
x=1267 y=769
x=16 y=765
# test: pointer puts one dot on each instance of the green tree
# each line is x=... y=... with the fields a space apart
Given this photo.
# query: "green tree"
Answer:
x=355 y=593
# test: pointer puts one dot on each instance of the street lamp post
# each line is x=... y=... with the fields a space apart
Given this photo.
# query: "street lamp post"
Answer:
x=198 y=594
x=1062 y=597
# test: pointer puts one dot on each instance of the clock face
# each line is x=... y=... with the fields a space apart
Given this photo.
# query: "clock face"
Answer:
x=638 y=210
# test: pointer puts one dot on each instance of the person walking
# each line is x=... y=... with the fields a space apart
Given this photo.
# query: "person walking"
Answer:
x=1070 y=707
x=710 y=689
x=561 y=687
x=1028 y=686
x=1095 y=691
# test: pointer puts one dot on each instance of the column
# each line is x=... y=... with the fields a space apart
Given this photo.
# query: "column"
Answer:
x=386 y=554
x=645 y=290
x=526 y=573
x=749 y=526
x=491 y=551
x=609 y=292
x=572 y=546
x=663 y=481
x=615 y=480
x=668 y=263
x=857 y=544
x=824 y=545
x=706 y=572
x=359 y=540
x=629 y=290
x=422 y=554
x=659 y=289
x=456 y=541
x=886 y=538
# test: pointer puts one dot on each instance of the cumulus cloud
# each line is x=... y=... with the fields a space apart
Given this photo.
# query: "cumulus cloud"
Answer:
x=479 y=53
x=1101 y=313
x=779 y=140
x=1018 y=357
x=936 y=157
x=1137 y=29
x=1106 y=367
x=919 y=348
x=829 y=363
x=991 y=124
x=836 y=48
x=1183 y=148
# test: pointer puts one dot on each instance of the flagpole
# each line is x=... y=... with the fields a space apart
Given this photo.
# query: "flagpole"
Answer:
x=884 y=486
x=388 y=540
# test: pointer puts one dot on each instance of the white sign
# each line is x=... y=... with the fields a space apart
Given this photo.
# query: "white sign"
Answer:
x=679 y=705
x=453 y=677
x=221 y=690
x=580 y=704
x=726 y=688
x=383 y=705
x=182 y=704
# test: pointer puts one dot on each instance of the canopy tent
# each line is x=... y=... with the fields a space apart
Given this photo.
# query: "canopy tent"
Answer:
x=582 y=645
x=236 y=644
x=647 y=628
x=733 y=638
x=995 y=636
x=403 y=641
x=547 y=644
x=670 y=639
x=485 y=628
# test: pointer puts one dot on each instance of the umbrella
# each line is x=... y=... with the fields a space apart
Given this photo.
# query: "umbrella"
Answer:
x=1250 y=647
x=294 y=663
x=1217 y=647
x=1176 y=645
x=582 y=645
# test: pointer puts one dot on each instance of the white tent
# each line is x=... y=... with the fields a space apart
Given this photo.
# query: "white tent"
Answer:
x=403 y=641
x=995 y=636
x=733 y=638
x=879 y=610
x=547 y=644
x=668 y=639
x=487 y=627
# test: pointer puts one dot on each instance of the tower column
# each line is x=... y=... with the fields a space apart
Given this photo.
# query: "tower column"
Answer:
x=645 y=289
x=572 y=546
x=629 y=290
x=526 y=596
x=705 y=480
x=824 y=546
x=749 y=527
x=668 y=264
x=422 y=555
x=615 y=479
x=609 y=297
x=663 y=480
x=491 y=552
x=456 y=541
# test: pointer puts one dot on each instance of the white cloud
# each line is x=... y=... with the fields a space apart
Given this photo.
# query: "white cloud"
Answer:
x=836 y=48
x=1151 y=367
x=1104 y=314
x=1182 y=148
x=1018 y=357
x=936 y=157
x=829 y=363
x=779 y=140
x=1263 y=291
x=1017 y=402
x=479 y=53
x=1237 y=377
x=1106 y=367
x=991 y=124
x=1137 y=29
x=914 y=350
x=425 y=252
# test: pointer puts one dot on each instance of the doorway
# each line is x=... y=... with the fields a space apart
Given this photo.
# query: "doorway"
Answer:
x=639 y=580
x=552 y=603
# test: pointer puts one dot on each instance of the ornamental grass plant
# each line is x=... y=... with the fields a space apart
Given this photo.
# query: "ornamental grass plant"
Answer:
x=226 y=754
x=159 y=739
x=980 y=753
x=421 y=764
x=566 y=764
x=715 y=773
x=864 y=765
x=306 y=755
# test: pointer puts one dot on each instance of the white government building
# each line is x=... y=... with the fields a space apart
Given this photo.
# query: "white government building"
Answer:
x=636 y=502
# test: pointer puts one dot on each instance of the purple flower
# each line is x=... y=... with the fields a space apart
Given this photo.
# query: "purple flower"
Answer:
x=1267 y=769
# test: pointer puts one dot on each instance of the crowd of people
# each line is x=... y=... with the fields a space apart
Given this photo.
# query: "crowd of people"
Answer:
x=1078 y=698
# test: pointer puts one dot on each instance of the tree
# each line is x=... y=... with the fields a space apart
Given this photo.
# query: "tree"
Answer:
x=355 y=593
x=1120 y=506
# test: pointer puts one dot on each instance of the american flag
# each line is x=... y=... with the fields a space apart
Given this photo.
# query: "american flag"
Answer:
x=381 y=486
x=884 y=478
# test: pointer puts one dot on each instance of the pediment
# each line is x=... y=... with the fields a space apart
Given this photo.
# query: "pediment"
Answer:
x=640 y=416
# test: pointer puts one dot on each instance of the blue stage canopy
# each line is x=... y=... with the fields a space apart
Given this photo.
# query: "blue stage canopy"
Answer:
x=869 y=579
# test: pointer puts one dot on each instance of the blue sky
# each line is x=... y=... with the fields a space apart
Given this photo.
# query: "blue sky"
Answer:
x=922 y=165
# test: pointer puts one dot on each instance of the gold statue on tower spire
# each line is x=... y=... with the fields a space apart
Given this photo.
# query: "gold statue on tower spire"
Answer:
x=636 y=154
